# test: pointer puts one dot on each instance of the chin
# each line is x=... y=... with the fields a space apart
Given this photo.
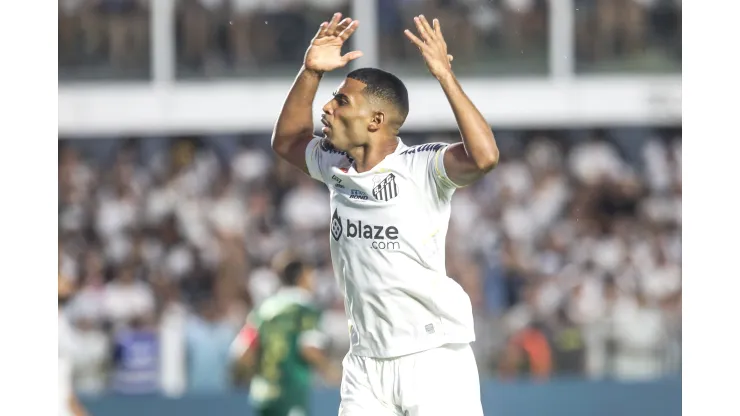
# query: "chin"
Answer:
x=334 y=144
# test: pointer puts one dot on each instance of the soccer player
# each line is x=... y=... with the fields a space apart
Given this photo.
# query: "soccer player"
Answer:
x=410 y=325
x=280 y=344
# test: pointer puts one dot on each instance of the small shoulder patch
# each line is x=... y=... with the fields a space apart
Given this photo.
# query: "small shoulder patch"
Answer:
x=429 y=147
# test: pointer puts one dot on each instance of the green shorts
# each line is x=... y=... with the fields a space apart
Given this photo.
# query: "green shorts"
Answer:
x=282 y=409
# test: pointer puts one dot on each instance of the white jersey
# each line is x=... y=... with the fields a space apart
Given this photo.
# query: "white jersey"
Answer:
x=388 y=230
x=66 y=348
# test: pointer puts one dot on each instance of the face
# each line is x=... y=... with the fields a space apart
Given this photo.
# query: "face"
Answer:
x=349 y=117
x=208 y=309
x=126 y=275
x=307 y=279
x=93 y=264
x=64 y=287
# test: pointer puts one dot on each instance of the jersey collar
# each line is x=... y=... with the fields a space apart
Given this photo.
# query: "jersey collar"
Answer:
x=298 y=294
x=399 y=147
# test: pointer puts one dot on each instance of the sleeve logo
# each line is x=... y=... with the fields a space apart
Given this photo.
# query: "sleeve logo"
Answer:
x=431 y=147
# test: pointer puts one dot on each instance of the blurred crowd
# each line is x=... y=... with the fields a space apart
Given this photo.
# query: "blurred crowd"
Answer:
x=103 y=38
x=570 y=251
x=628 y=34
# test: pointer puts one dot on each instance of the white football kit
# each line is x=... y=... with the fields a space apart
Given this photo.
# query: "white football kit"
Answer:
x=410 y=324
x=64 y=361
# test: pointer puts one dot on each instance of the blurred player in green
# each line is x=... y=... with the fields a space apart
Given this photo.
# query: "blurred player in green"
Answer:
x=281 y=344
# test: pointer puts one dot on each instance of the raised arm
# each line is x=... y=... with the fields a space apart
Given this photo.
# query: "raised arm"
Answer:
x=294 y=128
x=477 y=155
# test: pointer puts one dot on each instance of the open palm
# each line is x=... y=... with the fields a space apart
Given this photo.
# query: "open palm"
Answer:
x=325 y=52
x=432 y=46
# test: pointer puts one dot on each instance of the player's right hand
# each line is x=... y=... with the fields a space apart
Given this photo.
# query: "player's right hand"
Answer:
x=325 y=52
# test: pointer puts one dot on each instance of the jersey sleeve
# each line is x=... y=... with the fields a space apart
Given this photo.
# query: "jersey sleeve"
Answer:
x=427 y=167
x=311 y=334
x=246 y=339
x=320 y=157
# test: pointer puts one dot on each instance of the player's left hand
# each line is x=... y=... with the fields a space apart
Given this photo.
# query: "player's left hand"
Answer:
x=432 y=46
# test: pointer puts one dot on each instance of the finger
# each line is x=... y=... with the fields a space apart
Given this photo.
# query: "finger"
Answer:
x=322 y=30
x=438 y=29
x=333 y=24
x=351 y=56
x=422 y=31
x=346 y=33
x=416 y=41
x=344 y=24
x=450 y=58
x=426 y=26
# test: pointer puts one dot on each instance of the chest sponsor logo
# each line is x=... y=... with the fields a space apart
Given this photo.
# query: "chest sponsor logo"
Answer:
x=379 y=237
x=336 y=226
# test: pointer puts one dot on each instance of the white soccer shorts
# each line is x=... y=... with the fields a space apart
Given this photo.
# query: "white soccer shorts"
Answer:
x=439 y=382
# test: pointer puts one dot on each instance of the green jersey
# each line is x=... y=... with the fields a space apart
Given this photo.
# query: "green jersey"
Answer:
x=285 y=323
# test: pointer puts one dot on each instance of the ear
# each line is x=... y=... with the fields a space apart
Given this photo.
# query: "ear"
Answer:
x=376 y=121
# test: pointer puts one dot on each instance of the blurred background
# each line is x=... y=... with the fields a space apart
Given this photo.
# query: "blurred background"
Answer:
x=172 y=205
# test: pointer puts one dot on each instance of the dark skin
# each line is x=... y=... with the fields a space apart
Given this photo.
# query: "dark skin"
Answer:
x=366 y=127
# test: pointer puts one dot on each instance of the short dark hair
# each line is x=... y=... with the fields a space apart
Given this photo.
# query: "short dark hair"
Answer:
x=292 y=272
x=385 y=86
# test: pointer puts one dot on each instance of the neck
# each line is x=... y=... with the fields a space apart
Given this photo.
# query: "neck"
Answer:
x=297 y=286
x=368 y=156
